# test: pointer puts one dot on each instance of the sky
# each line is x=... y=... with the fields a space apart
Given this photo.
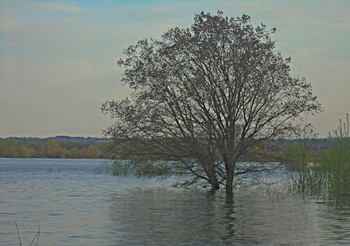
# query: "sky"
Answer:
x=58 y=58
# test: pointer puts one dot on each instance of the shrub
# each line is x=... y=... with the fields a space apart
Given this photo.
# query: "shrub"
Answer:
x=145 y=168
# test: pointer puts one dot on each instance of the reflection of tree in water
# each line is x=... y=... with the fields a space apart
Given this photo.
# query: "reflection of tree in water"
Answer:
x=229 y=220
x=176 y=216
x=172 y=216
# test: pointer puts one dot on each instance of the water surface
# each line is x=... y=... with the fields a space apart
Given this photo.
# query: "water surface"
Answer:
x=76 y=206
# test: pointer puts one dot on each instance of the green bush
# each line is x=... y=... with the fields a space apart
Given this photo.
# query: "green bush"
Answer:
x=121 y=168
x=145 y=168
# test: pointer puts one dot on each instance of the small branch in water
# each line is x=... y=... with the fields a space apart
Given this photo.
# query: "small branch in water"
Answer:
x=19 y=238
x=35 y=239
x=257 y=169
x=37 y=235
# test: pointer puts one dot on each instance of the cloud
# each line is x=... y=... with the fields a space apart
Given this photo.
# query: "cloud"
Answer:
x=64 y=7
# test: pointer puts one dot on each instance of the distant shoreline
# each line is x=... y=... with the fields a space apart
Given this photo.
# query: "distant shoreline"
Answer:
x=67 y=147
x=59 y=138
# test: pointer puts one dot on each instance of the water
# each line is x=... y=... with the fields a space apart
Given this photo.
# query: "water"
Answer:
x=75 y=206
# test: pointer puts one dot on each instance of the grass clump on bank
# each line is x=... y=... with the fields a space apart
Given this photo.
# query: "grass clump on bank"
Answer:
x=334 y=170
x=330 y=177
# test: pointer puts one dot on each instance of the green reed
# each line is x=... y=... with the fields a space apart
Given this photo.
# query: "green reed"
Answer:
x=334 y=170
x=330 y=177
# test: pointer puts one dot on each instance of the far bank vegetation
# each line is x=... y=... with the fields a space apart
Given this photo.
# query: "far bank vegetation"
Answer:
x=287 y=151
x=52 y=148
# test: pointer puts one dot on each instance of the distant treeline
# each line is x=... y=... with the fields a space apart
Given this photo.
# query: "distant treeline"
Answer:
x=53 y=148
x=97 y=148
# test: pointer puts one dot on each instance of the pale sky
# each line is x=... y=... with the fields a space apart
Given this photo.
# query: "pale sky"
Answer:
x=58 y=58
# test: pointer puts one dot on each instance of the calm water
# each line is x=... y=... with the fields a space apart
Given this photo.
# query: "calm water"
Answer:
x=76 y=206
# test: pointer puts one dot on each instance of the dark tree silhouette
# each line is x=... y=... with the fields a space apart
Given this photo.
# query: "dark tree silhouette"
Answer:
x=207 y=94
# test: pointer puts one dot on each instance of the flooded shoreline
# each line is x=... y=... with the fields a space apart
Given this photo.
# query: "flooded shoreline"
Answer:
x=76 y=206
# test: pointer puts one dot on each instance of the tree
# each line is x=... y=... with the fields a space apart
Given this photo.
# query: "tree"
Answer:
x=93 y=151
x=207 y=94
x=54 y=149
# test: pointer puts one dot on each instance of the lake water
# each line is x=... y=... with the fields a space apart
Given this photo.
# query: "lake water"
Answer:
x=75 y=206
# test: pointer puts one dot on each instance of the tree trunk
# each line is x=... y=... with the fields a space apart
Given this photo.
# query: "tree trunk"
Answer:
x=215 y=184
x=212 y=178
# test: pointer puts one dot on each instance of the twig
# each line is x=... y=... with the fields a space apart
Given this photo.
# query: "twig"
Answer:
x=35 y=239
x=37 y=235
x=19 y=238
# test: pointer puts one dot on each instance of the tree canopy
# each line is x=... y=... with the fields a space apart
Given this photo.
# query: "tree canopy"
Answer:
x=205 y=95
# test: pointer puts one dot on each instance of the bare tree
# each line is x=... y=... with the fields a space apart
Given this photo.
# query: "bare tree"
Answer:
x=205 y=95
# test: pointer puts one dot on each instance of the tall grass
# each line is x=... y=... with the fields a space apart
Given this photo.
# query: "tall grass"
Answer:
x=334 y=167
x=330 y=178
x=300 y=161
